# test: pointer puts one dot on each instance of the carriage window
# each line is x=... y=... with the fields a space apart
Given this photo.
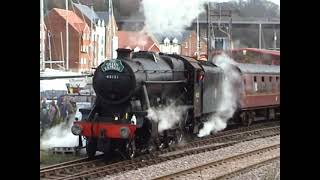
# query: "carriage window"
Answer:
x=262 y=79
x=270 y=78
x=255 y=84
x=244 y=81
x=277 y=82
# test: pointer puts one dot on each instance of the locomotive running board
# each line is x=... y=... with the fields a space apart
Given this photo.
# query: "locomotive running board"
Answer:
x=141 y=113
x=165 y=82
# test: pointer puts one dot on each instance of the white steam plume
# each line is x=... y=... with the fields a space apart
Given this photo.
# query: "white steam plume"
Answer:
x=167 y=116
x=59 y=136
x=231 y=88
x=170 y=16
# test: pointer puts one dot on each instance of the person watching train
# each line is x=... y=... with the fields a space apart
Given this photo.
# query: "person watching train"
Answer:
x=54 y=114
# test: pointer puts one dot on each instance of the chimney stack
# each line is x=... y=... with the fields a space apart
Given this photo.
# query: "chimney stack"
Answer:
x=124 y=53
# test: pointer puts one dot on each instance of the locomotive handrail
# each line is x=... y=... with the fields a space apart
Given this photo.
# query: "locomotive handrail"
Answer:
x=145 y=92
x=165 y=82
x=159 y=71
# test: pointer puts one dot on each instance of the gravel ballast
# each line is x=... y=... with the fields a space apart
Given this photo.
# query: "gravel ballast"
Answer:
x=179 y=164
x=270 y=171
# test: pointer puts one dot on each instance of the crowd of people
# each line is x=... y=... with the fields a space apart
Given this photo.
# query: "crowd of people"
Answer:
x=58 y=112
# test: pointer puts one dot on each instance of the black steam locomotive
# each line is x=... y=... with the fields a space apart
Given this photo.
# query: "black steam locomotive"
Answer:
x=128 y=86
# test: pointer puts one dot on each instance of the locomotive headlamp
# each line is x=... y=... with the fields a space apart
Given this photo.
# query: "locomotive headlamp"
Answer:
x=124 y=132
x=76 y=129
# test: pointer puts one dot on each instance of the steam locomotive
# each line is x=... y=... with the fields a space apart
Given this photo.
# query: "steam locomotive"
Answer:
x=128 y=86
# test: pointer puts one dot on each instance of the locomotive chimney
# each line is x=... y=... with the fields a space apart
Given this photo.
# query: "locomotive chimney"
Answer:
x=124 y=53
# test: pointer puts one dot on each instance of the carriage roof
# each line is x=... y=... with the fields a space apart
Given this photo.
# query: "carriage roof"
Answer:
x=258 y=68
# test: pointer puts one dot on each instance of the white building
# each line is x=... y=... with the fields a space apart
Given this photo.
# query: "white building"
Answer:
x=100 y=32
x=170 y=45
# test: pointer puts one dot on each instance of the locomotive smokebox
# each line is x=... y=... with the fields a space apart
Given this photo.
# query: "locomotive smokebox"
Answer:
x=113 y=79
x=124 y=53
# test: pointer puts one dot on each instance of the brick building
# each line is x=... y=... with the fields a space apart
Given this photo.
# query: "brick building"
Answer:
x=189 y=45
x=79 y=32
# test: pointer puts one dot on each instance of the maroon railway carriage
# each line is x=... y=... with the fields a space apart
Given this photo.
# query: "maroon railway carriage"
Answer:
x=260 y=92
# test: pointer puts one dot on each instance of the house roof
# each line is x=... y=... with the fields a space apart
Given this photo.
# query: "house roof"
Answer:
x=179 y=36
x=103 y=15
x=132 y=39
x=87 y=11
x=75 y=21
x=261 y=51
x=258 y=68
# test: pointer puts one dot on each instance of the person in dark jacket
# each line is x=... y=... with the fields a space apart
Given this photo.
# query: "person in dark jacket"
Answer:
x=62 y=107
x=54 y=114
x=44 y=117
x=71 y=107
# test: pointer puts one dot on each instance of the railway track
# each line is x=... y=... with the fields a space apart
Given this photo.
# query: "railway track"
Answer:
x=79 y=164
x=63 y=164
x=248 y=168
x=96 y=168
x=58 y=171
x=189 y=173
